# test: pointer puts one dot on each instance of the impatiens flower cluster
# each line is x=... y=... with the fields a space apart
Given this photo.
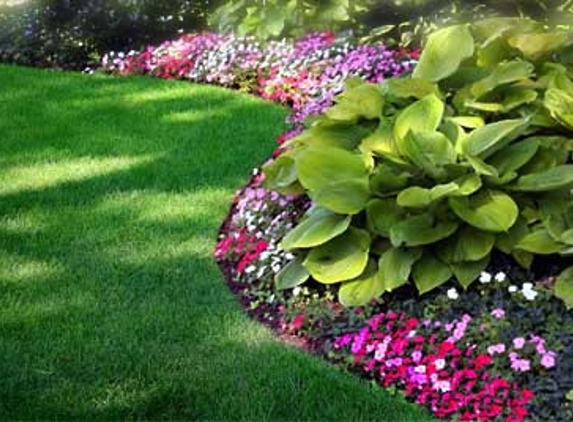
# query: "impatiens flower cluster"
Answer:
x=260 y=220
x=453 y=378
x=305 y=74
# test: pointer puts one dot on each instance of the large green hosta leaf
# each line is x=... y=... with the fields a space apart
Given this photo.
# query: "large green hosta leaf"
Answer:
x=363 y=101
x=514 y=156
x=540 y=242
x=328 y=133
x=388 y=179
x=429 y=151
x=536 y=45
x=481 y=167
x=382 y=214
x=502 y=74
x=467 y=272
x=420 y=230
x=335 y=178
x=558 y=222
x=361 y=290
x=468 y=244
x=344 y=197
x=280 y=175
x=489 y=210
x=342 y=258
x=564 y=287
x=417 y=197
x=410 y=88
x=292 y=274
x=395 y=266
x=555 y=178
x=493 y=28
x=424 y=115
x=506 y=242
x=429 y=273
x=490 y=138
x=381 y=142
x=560 y=105
x=444 y=52
x=320 y=226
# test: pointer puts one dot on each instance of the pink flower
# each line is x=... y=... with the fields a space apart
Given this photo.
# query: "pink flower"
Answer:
x=416 y=356
x=496 y=349
x=548 y=360
x=498 y=313
x=521 y=365
x=518 y=343
x=541 y=348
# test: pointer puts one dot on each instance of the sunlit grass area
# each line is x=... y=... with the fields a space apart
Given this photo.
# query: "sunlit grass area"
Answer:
x=111 y=307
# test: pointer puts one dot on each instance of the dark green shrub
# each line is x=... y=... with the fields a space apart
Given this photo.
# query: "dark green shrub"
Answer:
x=75 y=33
x=422 y=177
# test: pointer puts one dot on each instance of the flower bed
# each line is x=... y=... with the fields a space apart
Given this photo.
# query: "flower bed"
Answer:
x=304 y=74
x=500 y=350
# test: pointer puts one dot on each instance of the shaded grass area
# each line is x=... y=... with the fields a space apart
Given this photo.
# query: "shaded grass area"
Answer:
x=111 y=194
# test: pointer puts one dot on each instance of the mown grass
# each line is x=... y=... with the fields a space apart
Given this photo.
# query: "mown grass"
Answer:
x=111 y=307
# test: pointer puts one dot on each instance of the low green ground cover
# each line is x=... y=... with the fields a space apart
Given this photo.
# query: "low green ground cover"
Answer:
x=111 y=306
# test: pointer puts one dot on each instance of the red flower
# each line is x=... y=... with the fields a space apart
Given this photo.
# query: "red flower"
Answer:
x=298 y=321
x=482 y=360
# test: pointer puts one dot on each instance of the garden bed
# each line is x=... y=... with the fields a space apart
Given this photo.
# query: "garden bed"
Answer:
x=496 y=348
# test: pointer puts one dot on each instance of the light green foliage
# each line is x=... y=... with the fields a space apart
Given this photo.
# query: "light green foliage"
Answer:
x=465 y=156
x=274 y=18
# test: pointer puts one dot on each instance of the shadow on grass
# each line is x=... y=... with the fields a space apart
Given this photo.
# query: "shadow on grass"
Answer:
x=111 y=306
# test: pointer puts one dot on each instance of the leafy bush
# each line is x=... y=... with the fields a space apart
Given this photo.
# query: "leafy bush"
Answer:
x=274 y=18
x=422 y=177
x=408 y=22
x=75 y=33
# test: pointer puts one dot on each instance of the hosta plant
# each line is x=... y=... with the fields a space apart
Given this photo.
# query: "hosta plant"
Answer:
x=420 y=178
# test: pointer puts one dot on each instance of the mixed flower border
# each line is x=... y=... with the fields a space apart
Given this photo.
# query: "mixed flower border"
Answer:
x=498 y=351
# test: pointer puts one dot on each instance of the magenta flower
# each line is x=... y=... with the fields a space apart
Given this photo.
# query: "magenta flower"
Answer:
x=498 y=313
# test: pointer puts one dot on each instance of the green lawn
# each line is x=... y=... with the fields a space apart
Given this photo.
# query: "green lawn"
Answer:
x=111 y=194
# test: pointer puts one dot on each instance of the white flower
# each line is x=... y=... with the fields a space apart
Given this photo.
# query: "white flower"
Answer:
x=484 y=277
x=250 y=269
x=453 y=294
x=528 y=292
x=500 y=277
x=296 y=291
x=443 y=386
x=440 y=364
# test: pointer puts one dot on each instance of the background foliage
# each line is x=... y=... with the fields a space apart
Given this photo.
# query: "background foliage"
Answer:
x=74 y=33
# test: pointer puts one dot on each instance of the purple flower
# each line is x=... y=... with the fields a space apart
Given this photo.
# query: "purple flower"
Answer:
x=498 y=313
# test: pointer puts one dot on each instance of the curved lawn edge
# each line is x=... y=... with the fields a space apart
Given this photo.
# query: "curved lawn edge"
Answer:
x=111 y=305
